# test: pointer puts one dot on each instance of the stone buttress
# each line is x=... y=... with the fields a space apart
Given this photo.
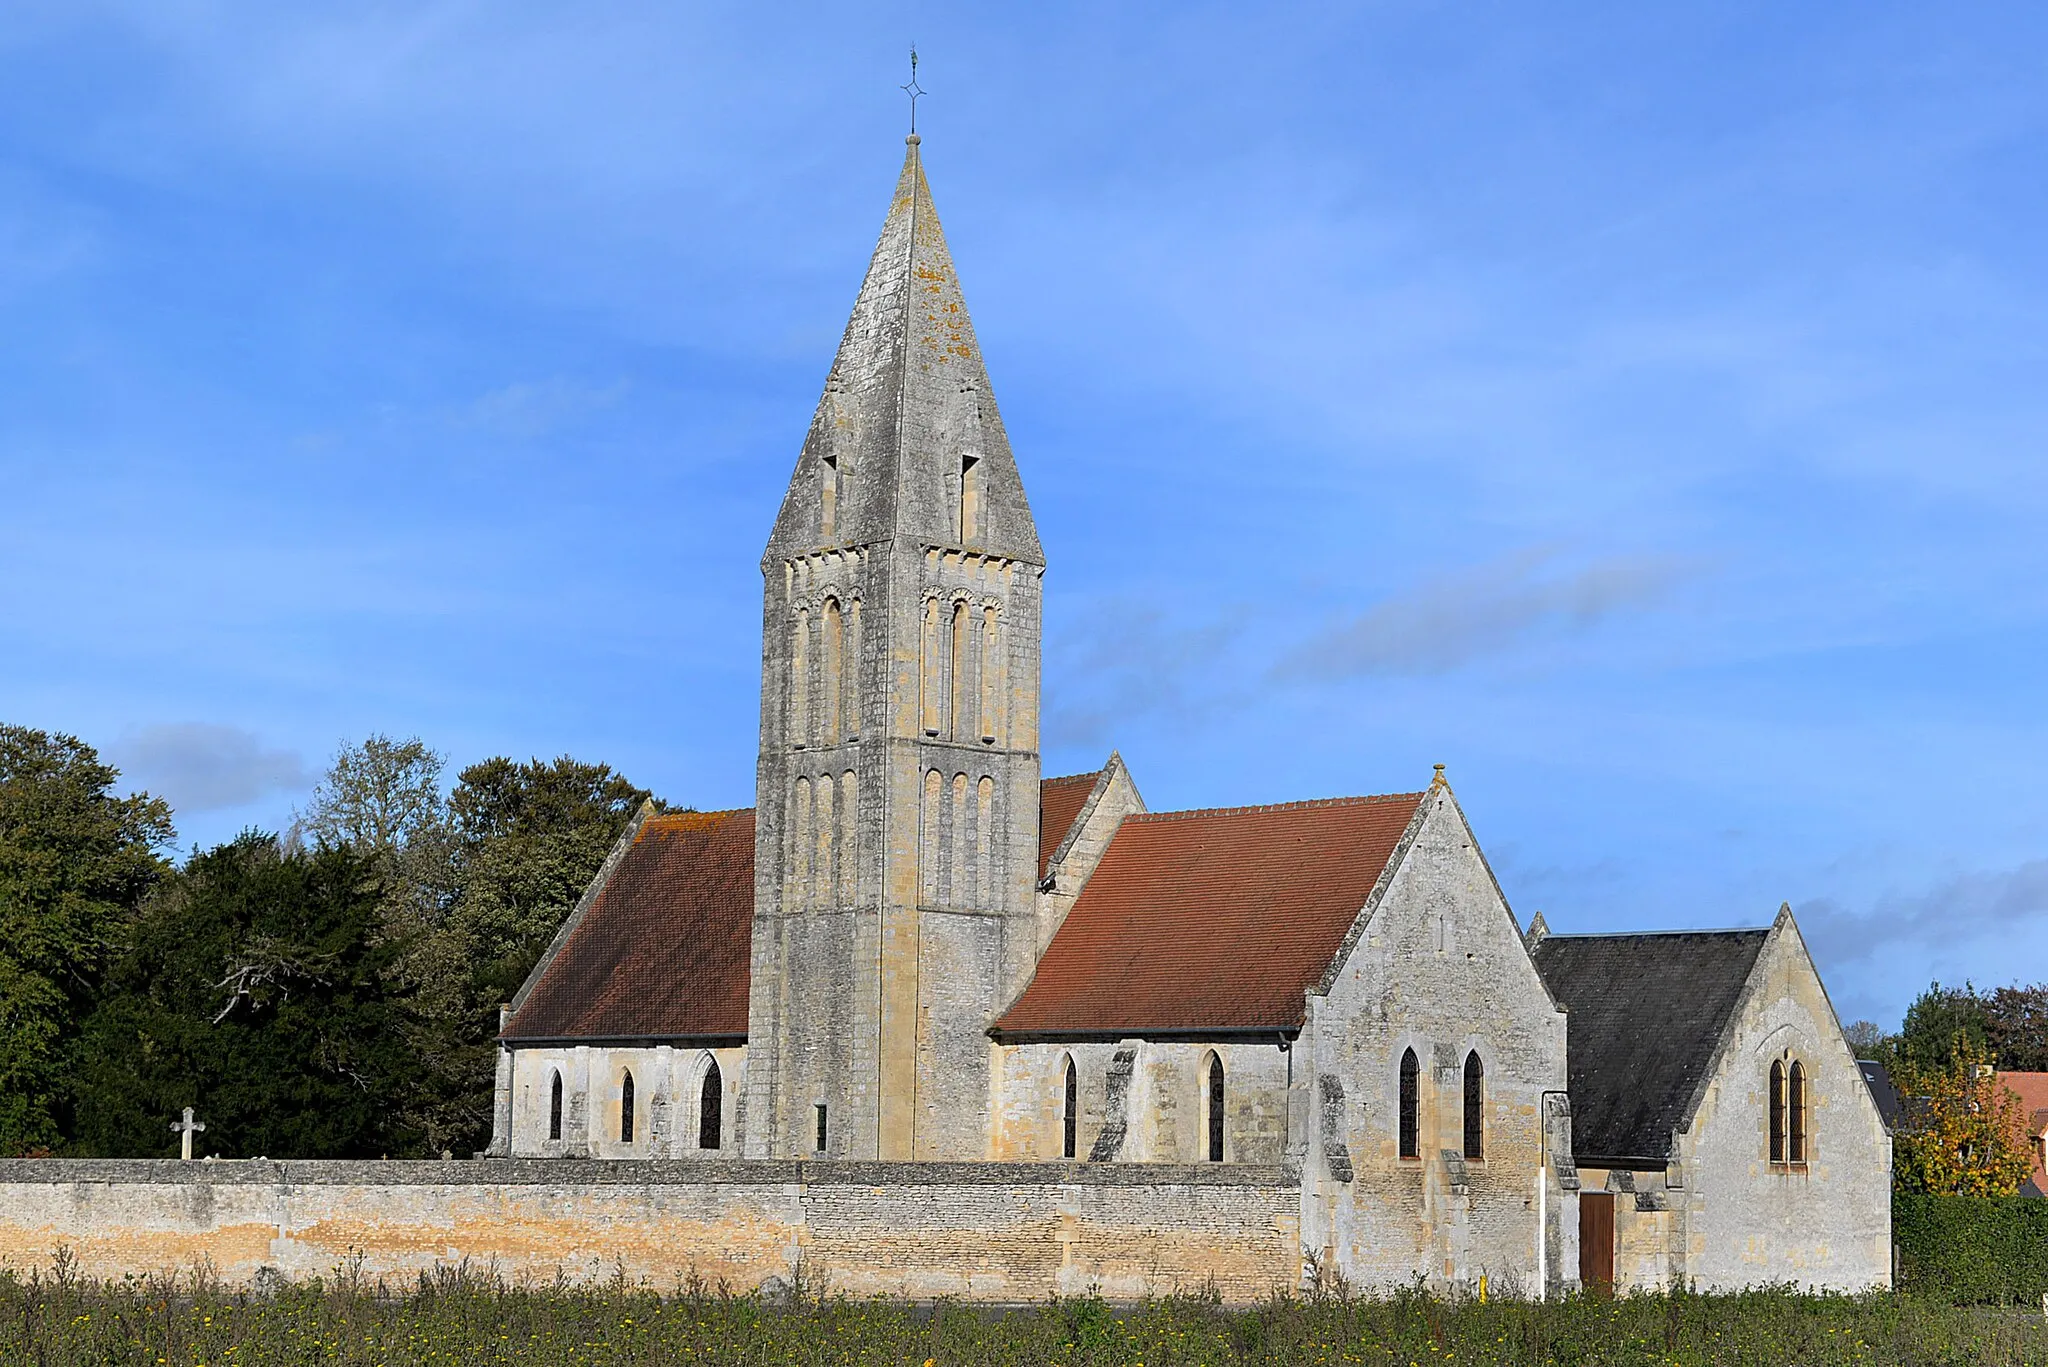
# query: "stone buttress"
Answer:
x=896 y=847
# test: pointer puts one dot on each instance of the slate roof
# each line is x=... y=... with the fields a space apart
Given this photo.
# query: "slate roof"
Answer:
x=1060 y=801
x=663 y=951
x=1211 y=920
x=1878 y=1079
x=1645 y=1012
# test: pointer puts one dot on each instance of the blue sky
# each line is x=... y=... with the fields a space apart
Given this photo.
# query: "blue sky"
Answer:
x=1641 y=412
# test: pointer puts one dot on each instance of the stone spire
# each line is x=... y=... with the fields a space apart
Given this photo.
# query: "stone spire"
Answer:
x=896 y=837
x=906 y=440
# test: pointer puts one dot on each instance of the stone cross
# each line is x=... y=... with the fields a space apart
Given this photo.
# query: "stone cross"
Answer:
x=186 y=1128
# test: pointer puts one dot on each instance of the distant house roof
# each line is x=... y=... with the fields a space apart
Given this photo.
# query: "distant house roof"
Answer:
x=662 y=953
x=1060 y=801
x=1211 y=920
x=2032 y=1090
x=1645 y=1012
x=1879 y=1079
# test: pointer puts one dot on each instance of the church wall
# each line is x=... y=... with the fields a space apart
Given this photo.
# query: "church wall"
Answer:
x=1826 y=1224
x=1439 y=968
x=1162 y=1104
x=974 y=1231
x=667 y=1087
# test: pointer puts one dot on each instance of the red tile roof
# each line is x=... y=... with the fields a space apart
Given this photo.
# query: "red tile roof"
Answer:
x=2032 y=1090
x=1215 y=919
x=663 y=952
x=1059 y=806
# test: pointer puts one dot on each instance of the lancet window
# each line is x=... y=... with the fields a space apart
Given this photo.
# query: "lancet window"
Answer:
x=1070 y=1110
x=1214 y=1108
x=626 y=1109
x=711 y=1107
x=1475 y=1107
x=1411 y=1106
x=555 y=1106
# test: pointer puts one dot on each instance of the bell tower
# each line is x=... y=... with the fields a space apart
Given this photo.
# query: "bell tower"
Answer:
x=897 y=791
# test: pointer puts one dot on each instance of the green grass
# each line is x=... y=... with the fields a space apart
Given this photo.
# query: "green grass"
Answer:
x=59 y=1321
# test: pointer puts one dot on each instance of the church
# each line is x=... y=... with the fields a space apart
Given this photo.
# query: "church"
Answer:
x=917 y=949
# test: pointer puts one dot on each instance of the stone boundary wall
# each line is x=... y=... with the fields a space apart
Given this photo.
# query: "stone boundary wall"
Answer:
x=1005 y=1232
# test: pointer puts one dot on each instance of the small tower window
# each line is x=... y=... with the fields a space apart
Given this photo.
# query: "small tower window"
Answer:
x=1475 y=1107
x=626 y=1110
x=1411 y=1088
x=710 y=1108
x=828 y=496
x=1070 y=1111
x=1795 y=1113
x=821 y=1127
x=1777 y=1111
x=555 y=1107
x=970 y=497
x=1215 y=1108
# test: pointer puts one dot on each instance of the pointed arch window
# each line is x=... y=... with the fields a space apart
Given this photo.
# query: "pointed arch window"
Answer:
x=1475 y=1107
x=626 y=1109
x=555 y=1106
x=1070 y=1111
x=1795 y=1113
x=711 y=1108
x=1411 y=1104
x=1214 y=1108
x=1777 y=1111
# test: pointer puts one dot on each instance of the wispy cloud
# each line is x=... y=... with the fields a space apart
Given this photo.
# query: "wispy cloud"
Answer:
x=1456 y=618
x=1966 y=908
x=201 y=767
x=534 y=409
x=1130 y=659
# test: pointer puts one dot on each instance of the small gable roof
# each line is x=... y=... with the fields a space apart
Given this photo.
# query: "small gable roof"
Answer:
x=1645 y=1013
x=662 y=951
x=1060 y=801
x=1211 y=920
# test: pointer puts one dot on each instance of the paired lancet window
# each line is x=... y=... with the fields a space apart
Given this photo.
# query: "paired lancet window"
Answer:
x=1788 y=1116
x=1411 y=1105
x=1213 y=1084
x=711 y=1108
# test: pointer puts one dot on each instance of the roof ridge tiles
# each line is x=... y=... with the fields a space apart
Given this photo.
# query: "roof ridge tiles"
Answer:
x=1358 y=801
x=1090 y=774
x=1627 y=934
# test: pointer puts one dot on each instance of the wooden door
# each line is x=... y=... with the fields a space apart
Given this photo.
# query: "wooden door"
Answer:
x=1596 y=1242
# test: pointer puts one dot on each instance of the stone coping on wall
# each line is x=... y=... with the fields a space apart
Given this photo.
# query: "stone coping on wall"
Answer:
x=583 y=1172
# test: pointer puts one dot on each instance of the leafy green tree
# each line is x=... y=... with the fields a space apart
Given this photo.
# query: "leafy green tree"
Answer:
x=2016 y=1027
x=255 y=988
x=75 y=861
x=1937 y=1019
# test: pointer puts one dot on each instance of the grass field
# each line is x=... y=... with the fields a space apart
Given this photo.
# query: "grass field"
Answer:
x=61 y=1321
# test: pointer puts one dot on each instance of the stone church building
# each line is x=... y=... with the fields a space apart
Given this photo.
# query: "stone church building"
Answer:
x=917 y=948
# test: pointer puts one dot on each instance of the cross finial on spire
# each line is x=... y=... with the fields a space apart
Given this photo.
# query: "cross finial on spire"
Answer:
x=912 y=89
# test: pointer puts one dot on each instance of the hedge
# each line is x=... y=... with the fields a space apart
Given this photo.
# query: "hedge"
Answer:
x=1972 y=1250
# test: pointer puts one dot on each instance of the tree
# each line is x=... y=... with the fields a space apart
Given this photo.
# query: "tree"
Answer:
x=380 y=795
x=75 y=861
x=256 y=989
x=495 y=878
x=2016 y=1027
x=1937 y=1019
x=1964 y=1133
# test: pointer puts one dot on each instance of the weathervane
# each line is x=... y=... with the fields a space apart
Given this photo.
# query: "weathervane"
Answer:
x=912 y=88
